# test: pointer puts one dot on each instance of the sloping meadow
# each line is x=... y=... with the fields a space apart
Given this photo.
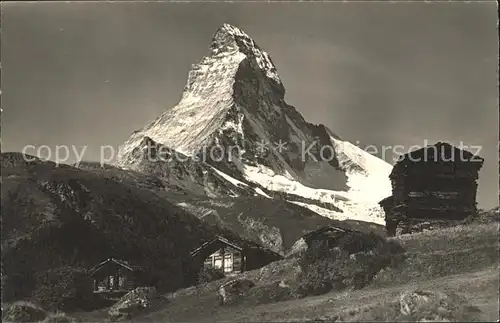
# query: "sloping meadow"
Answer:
x=438 y=253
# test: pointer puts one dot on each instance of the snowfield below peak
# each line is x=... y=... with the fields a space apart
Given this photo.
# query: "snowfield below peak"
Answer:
x=359 y=203
x=368 y=179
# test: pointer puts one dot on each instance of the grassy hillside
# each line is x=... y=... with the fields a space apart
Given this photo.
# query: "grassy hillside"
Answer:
x=58 y=216
x=369 y=304
x=462 y=260
x=450 y=251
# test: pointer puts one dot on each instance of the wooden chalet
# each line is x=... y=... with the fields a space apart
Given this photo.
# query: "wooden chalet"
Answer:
x=116 y=275
x=327 y=236
x=231 y=256
x=436 y=183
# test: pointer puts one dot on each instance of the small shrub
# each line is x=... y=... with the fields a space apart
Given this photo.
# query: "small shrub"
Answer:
x=353 y=264
x=321 y=272
x=354 y=242
x=135 y=302
x=64 y=288
x=17 y=285
x=209 y=274
x=269 y=293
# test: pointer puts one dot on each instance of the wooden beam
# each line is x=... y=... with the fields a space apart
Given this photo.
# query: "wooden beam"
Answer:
x=223 y=254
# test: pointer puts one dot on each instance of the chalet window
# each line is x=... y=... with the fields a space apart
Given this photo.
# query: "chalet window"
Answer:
x=218 y=262
x=121 y=281
x=228 y=263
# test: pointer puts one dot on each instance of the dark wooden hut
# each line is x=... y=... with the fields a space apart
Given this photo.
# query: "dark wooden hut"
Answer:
x=327 y=236
x=116 y=275
x=434 y=186
x=231 y=256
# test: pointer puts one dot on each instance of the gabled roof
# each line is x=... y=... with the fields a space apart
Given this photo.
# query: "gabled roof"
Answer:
x=122 y=263
x=225 y=241
x=325 y=229
x=441 y=150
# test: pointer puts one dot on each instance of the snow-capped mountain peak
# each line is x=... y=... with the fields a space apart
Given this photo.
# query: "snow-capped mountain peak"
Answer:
x=230 y=40
x=233 y=117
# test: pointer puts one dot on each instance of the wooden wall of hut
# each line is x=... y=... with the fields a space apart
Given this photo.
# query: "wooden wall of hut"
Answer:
x=114 y=277
x=432 y=190
x=227 y=259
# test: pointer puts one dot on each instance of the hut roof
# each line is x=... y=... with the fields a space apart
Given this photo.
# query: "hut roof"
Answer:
x=325 y=231
x=443 y=150
x=122 y=263
x=239 y=245
x=439 y=152
x=387 y=200
x=216 y=239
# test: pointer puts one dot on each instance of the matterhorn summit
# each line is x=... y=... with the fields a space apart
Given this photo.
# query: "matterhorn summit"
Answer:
x=232 y=134
x=232 y=40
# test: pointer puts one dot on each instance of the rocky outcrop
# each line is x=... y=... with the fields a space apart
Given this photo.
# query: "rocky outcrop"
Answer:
x=59 y=318
x=490 y=216
x=434 y=306
x=21 y=312
x=232 y=291
x=135 y=303
x=411 y=306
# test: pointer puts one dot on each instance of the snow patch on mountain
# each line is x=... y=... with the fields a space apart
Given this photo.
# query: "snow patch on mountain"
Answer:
x=356 y=204
x=275 y=182
x=367 y=174
x=228 y=178
x=261 y=192
x=352 y=212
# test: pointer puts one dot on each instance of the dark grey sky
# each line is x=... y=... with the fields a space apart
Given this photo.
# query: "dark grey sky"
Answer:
x=375 y=73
